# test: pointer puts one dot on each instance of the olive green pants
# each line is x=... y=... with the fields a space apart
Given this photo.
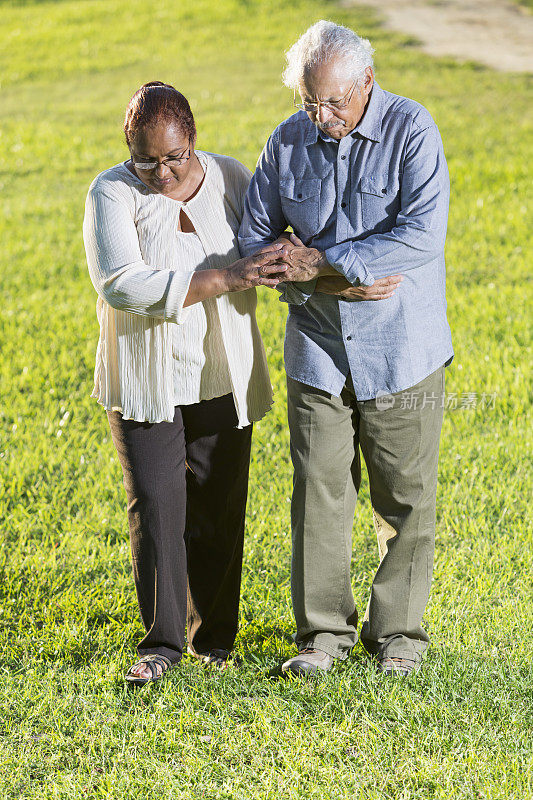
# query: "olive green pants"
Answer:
x=399 y=439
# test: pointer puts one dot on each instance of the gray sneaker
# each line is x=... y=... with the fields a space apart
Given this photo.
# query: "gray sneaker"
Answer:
x=307 y=662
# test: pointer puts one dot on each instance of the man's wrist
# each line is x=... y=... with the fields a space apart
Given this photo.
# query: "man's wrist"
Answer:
x=323 y=265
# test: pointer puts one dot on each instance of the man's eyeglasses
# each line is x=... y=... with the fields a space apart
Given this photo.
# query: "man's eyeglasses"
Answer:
x=174 y=161
x=337 y=105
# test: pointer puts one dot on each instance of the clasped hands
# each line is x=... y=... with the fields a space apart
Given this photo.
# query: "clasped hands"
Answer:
x=295 y=262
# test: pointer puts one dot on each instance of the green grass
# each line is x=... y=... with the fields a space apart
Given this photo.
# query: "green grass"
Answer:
x=69 y=619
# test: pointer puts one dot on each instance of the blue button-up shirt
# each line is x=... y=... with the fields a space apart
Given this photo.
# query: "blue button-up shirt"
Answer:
x=376 y=202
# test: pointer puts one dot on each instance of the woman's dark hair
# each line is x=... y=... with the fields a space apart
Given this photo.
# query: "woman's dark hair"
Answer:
x=153 y=102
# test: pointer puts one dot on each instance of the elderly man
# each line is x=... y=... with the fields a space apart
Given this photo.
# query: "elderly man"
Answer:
x=360 y=175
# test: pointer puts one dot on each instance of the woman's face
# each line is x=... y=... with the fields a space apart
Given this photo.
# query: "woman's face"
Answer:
x=168 y=155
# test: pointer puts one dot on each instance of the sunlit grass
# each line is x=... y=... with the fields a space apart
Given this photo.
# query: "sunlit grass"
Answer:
x=69 y=728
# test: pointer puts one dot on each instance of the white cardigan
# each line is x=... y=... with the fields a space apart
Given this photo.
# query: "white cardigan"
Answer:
x=129 y=233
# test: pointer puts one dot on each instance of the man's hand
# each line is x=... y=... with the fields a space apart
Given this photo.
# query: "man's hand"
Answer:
x=303 y=263
x=339 y=286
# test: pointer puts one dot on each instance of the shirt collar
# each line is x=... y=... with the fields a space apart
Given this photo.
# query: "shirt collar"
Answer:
x=369 y=127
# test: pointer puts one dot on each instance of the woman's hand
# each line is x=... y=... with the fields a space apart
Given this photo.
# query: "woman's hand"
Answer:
x=264 y=268
x=339 y=286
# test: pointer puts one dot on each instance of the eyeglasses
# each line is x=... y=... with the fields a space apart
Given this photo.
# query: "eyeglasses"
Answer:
x=175 y=161
x=337 y=105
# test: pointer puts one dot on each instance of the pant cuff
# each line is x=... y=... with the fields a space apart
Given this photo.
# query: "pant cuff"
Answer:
x=400 y=647
x=173 y=656
x=326 y=646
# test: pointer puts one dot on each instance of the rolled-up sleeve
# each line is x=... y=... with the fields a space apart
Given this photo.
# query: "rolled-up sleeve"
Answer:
x=420 y=228
x=116 y=266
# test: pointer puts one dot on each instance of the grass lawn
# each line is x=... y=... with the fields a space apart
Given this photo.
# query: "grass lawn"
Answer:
x=69 y=728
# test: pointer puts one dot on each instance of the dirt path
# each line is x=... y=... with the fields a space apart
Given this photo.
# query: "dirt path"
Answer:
x=497 y=33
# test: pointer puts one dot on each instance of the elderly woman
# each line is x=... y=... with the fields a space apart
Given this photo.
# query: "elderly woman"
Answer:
x=180 y=370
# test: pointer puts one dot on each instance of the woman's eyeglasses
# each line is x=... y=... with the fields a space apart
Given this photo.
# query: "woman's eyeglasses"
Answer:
x=174 y=161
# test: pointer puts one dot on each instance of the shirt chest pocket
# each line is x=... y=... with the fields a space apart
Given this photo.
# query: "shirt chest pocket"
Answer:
x=380 y=202
x=300 y=201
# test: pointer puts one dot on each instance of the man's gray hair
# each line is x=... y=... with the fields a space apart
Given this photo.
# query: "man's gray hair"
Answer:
x=325 y=41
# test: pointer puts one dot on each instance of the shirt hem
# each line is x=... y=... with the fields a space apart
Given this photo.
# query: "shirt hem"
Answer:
x=439 y=362
x=315 y=385
x=242 y=423
x=120 y=410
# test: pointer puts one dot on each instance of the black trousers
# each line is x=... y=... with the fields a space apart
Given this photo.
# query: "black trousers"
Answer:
x=186 y=484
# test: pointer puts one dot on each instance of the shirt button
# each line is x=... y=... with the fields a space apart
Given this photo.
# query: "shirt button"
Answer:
x=348 y=338
x=343 y=158
x=299 y=195
x=343 y=205
x=383 y=191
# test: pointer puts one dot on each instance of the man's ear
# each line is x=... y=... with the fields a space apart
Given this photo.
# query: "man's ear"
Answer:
x=369 y=80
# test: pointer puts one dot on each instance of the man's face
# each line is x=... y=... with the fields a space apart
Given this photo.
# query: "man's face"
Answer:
x=328 y=83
